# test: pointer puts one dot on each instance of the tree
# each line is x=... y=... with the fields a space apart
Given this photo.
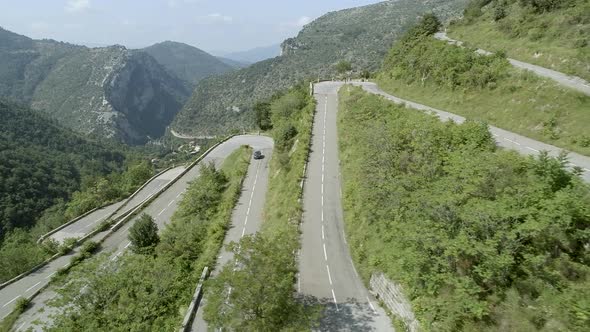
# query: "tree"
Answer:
x=257 y=296
x=343 y=67
x=144 y=235
x=262 y=112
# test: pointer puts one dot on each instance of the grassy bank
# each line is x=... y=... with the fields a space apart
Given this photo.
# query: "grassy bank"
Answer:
x=486 y=88
x=481 y=239
x=557 y=38
x=262 y=289
x=151 y=291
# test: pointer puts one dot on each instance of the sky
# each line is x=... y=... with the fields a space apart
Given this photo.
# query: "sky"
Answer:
x=217 y=26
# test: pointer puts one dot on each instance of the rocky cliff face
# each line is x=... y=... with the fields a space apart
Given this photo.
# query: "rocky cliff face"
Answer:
x=107 y=92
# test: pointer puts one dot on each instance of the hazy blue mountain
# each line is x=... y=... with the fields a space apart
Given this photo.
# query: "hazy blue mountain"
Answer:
x=187 y=62
x=255 y=54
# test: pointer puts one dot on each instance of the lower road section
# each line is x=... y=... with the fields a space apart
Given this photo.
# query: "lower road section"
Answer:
x=162 y=209
x=326 y=271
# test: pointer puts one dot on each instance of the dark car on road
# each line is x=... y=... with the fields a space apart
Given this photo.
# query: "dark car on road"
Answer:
x=258 y=155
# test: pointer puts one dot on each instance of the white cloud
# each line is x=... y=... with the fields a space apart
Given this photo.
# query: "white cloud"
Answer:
x=215 y=18
x=74 y=6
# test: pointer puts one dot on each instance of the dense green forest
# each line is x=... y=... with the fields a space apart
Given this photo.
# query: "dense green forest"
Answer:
x=262 y=288
x=42 y=163
x=551 y=33
x=150 y=288
x=481 y=239
x=486 y=88
x=49 y=175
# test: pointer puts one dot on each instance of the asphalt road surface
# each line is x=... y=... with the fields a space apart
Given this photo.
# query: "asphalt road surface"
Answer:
x=569 y=81
x=246 y=217
x=326 y=271
x=161 y=209
x=87 y=224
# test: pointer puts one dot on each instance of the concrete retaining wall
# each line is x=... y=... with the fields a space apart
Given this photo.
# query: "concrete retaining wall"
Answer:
x=394 y=299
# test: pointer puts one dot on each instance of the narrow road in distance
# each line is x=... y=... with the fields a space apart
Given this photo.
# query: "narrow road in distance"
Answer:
x=162 y=209
x=572 y=82
x=326 y=271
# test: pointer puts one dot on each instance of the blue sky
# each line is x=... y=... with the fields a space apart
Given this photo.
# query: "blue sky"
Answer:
x=213 y=25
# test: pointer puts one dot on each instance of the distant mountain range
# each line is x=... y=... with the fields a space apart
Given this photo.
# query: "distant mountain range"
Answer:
x=255 y=55
x=360 y=35
x=187 y=62
x=112 y=92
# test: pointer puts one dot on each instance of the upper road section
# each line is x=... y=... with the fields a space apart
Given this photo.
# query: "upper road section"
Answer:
x=326 y=271
x=572 y=82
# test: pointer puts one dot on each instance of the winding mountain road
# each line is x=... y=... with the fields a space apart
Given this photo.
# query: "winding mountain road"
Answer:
x=326 y=271
x=162 y=209
x=569 y=81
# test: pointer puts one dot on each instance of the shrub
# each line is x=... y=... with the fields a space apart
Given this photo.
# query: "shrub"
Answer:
x=144 y=235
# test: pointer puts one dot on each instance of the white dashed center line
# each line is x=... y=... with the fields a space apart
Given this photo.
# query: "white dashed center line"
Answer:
x=9 y=302
x=35 y=285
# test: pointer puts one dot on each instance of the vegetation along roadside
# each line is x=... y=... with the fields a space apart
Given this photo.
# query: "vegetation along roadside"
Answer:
x=479 y=238
x=150 y=287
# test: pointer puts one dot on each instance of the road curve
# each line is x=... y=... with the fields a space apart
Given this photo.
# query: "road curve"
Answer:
x=569 y=81
x=326 y=270
x=162 y=209
x=504 y=138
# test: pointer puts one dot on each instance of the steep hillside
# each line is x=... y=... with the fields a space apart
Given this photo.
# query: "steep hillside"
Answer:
x=552 y=34
x=187 y=62
x=360 y=35
x=42 y=163
x=487 y=88
x=110 y=92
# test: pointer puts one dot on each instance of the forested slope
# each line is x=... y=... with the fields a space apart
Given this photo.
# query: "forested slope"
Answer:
x=41 y=163
x=48 y=175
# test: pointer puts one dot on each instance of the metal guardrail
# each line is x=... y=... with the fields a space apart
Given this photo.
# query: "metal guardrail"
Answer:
x=127 y=200
x=187 y=322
